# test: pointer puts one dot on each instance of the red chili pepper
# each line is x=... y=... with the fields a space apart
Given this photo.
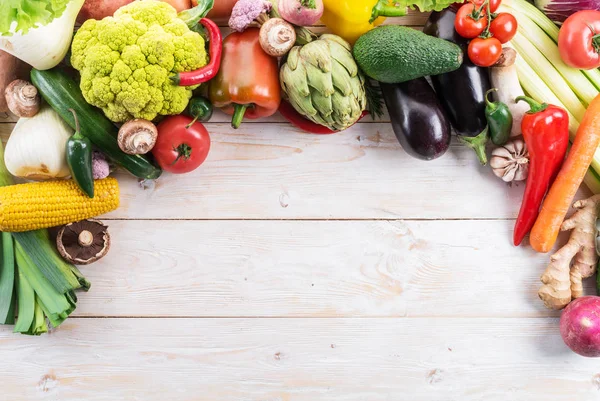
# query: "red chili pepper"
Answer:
x=209 y=71
x=299 y=121
x=546 y=132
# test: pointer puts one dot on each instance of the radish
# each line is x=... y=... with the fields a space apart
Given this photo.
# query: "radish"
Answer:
x=301 y=12
x=580 y=326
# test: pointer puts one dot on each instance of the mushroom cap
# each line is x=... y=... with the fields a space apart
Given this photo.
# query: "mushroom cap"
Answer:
x=277 y=37
x=83 y=242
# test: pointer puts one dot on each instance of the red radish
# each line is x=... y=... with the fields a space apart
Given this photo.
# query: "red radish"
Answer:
x=301 y=12
x=580 y=326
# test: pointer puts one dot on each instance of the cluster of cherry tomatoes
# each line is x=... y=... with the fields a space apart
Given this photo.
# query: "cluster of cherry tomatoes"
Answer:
x=478 y=20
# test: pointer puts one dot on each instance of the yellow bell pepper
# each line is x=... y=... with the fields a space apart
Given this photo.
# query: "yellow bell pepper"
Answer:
x=352 y=18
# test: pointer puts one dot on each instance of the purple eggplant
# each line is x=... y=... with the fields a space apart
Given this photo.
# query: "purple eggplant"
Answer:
x=461 y=92
x=417 y=118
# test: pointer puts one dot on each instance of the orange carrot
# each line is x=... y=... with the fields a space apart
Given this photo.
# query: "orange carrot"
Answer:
x=561 y=194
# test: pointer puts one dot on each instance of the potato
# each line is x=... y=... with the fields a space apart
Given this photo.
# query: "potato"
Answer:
x=221 y=10
x=98 y=9
x=179 y=5
x=11 y=68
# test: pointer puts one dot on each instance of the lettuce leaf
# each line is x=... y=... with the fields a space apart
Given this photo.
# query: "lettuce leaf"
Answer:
x=28 y=14
x=429 y=5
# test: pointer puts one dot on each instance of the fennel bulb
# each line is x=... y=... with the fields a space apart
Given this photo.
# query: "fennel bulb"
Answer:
x=40 y=37
x=36 y=148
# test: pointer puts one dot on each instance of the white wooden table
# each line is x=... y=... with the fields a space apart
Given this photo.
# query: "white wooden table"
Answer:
x=302 y=267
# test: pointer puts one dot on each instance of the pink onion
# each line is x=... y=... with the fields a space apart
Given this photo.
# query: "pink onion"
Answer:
x=301 y=12
x=580 y=326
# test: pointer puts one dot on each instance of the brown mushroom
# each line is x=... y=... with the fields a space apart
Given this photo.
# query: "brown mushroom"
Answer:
x=83 y=242
x=22 y=98
x=137 y=137
x=277 y=37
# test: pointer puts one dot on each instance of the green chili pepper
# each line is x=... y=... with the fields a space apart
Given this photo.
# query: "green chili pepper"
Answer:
x=499 y=119
x=200 y=108
x=79 y=159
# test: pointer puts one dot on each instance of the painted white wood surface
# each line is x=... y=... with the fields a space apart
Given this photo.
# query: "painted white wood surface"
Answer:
x=301 y=267
x=422 y=359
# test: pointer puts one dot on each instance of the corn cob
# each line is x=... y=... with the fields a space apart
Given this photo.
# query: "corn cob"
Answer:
x=32 y=206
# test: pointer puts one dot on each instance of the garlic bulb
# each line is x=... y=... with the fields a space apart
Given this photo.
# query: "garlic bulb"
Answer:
x=36 y=149
x=511 y=161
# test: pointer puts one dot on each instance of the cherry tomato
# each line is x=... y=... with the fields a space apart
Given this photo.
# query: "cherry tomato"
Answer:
x=504 y=27
x=576 y=42
x=485 y=52
x=180 y=149
x=494 y=4
x=470 y=23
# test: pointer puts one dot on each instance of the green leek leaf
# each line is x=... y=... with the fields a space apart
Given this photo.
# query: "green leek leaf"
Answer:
x=7 y=281
x=26 y=304
x=38 y=247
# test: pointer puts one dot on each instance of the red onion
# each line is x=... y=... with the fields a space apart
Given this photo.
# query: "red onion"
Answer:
x=580 y=326
x=559 y=10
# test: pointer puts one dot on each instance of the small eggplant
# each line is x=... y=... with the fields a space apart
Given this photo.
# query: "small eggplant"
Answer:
x=417 y=118
x=461 y=92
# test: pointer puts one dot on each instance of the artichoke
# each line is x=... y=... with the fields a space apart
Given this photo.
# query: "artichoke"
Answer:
x=323 y=83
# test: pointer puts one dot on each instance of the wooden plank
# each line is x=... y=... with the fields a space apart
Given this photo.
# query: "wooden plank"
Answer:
x=297 y=359
x=314 y=268
x=275 y=172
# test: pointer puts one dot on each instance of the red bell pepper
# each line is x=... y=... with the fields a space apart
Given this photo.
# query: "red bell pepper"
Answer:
x=299 y=121
x=546 y=132
x=247 y=84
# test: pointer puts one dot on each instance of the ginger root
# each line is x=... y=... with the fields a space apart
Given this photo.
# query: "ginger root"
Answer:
x=563 y=279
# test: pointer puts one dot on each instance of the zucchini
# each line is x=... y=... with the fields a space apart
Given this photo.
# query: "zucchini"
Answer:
x=62 y=93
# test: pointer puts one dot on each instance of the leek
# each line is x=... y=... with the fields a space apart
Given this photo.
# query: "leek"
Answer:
x=573 y=77
x=55 y=305
x=521 y=8
x=38 y=326
x=51 y=265
x=26 y=304
x=7 y=278
x=550 y=76
x=536 y=88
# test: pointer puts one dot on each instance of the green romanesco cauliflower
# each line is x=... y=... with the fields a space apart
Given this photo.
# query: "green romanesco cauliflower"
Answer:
x=125 y=61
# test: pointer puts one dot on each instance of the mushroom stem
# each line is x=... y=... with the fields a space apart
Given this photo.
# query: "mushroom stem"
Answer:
x=85 y=238
x=137 y=137
x=22 y=98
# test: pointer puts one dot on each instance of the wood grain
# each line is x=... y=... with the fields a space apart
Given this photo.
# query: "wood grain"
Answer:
x=424 y=359
x=314 y=268
x=275 y=172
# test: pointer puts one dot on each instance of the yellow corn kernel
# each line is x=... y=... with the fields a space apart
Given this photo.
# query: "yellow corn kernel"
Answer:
x=37 y=205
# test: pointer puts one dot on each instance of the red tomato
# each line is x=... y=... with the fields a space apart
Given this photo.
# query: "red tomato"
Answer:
x=485 y=52
x=576 y=43
x=494 y=4
x=469 y=23
x=180 y=149
x=504 y=27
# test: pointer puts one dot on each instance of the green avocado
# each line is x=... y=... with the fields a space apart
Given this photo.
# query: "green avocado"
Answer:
x=394 y=54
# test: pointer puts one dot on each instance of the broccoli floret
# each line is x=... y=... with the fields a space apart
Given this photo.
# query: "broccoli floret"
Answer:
x=125 y=61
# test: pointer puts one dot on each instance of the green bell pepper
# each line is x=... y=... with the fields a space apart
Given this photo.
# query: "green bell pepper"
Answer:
x=499 y=119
